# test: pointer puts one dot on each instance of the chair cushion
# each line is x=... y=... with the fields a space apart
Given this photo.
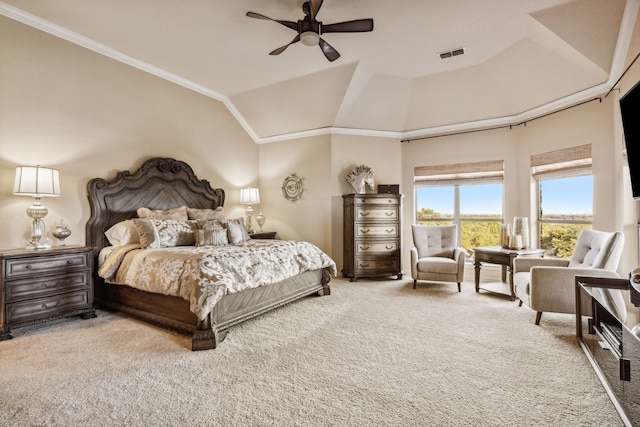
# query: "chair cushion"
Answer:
x=522 y=282
x=435 y=241
x=594 y=249
x=437 y=265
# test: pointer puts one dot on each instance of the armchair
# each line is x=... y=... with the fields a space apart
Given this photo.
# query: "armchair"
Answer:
x=435 y=255
x=548 y=284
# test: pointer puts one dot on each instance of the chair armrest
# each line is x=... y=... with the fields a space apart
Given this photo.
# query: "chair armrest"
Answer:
x=553 y=288
x=521 y=264
x=414 y=262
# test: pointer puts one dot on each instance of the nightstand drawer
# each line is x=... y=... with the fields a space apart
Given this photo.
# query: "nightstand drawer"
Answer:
x=382 y=230
x=369 y=247
x=376 y=213
x=35 y=309
x=21 y=267
x=46 y=285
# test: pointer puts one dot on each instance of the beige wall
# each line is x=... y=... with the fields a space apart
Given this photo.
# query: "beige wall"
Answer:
x=65 y=107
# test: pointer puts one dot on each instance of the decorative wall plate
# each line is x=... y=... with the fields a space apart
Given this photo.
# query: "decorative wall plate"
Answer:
x=292 y=188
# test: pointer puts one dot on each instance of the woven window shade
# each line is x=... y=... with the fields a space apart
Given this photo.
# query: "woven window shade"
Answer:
x=573 y=161
x=487 y=172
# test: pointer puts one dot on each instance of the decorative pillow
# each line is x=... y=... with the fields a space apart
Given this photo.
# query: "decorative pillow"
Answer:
x=209 y=233
x=158 y=233
x=236 y=231
x=179 y=213
x=206 y=214
x=122 y=233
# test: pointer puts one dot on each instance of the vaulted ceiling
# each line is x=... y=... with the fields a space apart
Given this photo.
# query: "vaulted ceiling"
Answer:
x=522 y=58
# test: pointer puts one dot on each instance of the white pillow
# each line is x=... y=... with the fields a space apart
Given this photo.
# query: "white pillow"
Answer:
x=123 y=233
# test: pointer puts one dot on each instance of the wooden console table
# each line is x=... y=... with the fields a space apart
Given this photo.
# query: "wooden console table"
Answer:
x=504 y=257
x=608 y=331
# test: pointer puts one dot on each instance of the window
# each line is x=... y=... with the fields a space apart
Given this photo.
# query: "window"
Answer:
x=565 y=198
x=469 y=195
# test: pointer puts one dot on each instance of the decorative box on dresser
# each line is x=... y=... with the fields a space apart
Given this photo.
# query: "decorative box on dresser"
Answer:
x=41 y=285
x=371 y=235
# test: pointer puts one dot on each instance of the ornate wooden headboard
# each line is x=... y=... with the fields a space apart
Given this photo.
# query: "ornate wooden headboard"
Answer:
x=160 y=183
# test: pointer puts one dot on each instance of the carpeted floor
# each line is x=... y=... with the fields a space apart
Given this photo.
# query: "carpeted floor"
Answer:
x=374 y=353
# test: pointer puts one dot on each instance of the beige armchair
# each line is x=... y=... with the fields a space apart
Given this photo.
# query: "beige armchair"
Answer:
x=548 y=284
x=435 y=255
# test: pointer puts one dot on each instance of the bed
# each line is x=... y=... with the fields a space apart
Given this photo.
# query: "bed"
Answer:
x=166 y=183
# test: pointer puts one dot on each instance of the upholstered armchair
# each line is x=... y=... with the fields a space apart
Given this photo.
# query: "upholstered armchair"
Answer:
x=435 y=255
x=548 y=284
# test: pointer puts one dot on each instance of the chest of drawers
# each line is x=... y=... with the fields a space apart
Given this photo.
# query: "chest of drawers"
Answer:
x=371 y=235
x=43 y=285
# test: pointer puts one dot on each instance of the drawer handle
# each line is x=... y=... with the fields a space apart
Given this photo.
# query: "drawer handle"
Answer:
x=70 y=261
x=365 y=213
x=45 y=305
x=28 y=267
x=364 y=248
x=364 y=265
x=50 y=285
x=389 y=230
x=389 y=213
x=389 y=247
x=364 y=231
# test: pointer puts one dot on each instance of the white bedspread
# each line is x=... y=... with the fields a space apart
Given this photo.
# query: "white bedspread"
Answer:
x=203 y=275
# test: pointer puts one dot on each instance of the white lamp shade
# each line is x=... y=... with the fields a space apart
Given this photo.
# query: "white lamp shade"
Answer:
x=36 y=181
x=249 y=196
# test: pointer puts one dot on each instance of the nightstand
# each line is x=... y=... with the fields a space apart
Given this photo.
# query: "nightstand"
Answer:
x=264 y=235
x=41 y=285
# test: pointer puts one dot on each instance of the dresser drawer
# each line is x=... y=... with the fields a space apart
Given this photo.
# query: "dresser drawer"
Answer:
x=36 y=309
x=364 y=266
x=369 y=247
x=363 y=200
x=371 y=213
x=46 y=285
x=21 y=267
x=378 y=230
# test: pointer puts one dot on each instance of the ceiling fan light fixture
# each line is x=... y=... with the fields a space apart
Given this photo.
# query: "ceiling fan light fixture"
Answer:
x=310 y=38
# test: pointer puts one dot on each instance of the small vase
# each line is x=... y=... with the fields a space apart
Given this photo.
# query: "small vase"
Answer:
x=260 y=218
x=521 y=228
x=505 y=233
x=61 y=232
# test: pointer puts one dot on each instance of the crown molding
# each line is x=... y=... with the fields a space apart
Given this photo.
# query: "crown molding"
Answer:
x=624 y=38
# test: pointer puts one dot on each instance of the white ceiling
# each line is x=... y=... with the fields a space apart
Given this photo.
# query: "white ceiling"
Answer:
x=524 y=57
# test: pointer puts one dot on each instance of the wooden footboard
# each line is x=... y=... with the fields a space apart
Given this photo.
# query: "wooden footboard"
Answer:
x=173 y=312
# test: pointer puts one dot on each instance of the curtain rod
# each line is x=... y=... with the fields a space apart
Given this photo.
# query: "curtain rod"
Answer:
x=511 y=126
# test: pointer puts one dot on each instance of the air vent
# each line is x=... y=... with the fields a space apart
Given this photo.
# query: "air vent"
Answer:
x=452 y=53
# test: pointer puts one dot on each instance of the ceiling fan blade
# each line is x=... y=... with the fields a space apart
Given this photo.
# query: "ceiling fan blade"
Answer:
x=314 y=6
x=356 y=26
x=288 y=24
x=279 y=50
x=328 y=50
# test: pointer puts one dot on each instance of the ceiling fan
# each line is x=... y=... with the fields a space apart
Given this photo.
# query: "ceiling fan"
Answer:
x=309 y=29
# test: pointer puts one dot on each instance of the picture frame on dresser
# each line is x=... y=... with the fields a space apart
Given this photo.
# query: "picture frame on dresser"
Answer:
x=38 y=286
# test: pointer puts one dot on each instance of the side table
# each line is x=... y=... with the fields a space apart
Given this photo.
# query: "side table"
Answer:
x=264 y=235
x=504 y=257
x=42 y=285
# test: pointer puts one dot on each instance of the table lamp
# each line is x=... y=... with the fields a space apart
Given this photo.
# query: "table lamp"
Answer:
x=249 y=196
x=37 y=182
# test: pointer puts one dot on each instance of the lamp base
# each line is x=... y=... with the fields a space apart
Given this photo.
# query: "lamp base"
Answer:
x=38 y=246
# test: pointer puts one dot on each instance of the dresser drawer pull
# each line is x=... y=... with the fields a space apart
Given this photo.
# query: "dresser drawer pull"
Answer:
x=390 y=230
x=45 y=305
x=70 y=262
x=365 y=213
x=364 y=265
x=28 y=267
x=363 y=231
x=389 y=213
x=50 y=285
x=364 y=248
x=389 y=247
